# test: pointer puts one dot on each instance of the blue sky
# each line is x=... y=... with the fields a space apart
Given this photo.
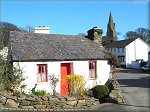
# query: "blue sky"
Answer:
x=76 y=16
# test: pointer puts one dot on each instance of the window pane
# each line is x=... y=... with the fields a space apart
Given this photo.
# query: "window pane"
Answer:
x=90 y=66
x=92 y=69
x=43 y=68
x=42 y=73
x=93 y=65
x=43 y=77
x=39 y=78
x=92 y=74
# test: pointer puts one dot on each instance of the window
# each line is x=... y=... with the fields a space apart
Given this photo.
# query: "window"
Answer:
x=121 y=59
x=110 y=50
x=114 y=50
x=118 y=50
x=92 y=69
x=122 y=50
x=42 y=73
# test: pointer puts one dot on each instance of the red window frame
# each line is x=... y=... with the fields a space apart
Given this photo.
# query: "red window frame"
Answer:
x=92 y=69
x=42 y=73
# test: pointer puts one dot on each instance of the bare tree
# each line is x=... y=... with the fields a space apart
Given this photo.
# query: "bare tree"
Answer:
x=82 y=34
x=113 y=61
x=142 y=33
x=29 y=29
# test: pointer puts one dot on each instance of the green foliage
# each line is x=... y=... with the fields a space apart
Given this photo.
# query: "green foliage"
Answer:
x=37 y=92
x=40 y=93
x=109 y=84
x=100 y=91
x=106 y=41
x=33 y=89
x=11 y=78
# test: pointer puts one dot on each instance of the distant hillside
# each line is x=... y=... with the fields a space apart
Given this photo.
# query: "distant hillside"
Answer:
x=5 y=28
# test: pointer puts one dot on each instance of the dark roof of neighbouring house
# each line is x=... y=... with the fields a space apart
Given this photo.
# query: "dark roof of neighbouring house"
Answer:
x=121 y=43
x=34 y=47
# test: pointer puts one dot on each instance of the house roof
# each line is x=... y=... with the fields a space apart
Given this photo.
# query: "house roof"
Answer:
x=34 y=47
x=121 y=43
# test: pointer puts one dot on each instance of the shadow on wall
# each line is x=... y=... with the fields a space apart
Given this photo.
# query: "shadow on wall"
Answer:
x=141 y=82
x=128 y=65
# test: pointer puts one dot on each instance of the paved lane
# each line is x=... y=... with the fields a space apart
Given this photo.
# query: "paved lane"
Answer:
x=136 y=88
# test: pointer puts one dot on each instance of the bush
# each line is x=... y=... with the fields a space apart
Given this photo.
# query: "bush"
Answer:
x=40 y=93
x=109 y=84
x=11 y=78
x=89 y=92
x=76 y=85
x=100 y=91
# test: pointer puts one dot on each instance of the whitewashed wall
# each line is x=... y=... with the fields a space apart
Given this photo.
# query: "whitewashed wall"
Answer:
x=79 y=68
x=42 y=29
x=136 y=50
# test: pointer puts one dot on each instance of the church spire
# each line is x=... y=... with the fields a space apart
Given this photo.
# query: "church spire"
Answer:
x=110 y=18
x=111 y=32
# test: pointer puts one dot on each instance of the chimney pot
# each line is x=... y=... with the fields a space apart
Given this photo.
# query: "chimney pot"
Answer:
x=42 y=29
x=95 y=34
x=95 y=27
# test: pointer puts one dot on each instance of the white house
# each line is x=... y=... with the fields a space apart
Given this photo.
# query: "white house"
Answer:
x=130 y=52
x=148 y=63
x=41 y=55
x=42 y=29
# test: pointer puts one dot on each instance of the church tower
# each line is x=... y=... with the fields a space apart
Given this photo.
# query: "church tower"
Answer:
x=111 y=32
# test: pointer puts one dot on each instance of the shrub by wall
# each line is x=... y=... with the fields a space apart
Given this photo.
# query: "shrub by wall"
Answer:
x=100 y=91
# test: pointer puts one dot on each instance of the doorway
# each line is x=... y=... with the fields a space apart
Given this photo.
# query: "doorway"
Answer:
x=65 y=70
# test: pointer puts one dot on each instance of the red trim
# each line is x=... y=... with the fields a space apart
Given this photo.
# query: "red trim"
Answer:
x=71 y=67
x=42 y=69
x=92 y=69
x=66 y=69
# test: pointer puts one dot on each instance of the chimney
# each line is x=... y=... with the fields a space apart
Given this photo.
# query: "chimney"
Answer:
x=42 y=29
x=95 y=34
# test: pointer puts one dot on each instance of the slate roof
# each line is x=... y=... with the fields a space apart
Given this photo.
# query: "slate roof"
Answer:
x=121 y=43
x=34 y=47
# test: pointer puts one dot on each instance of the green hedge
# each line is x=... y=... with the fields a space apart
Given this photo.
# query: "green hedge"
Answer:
x=100 y=91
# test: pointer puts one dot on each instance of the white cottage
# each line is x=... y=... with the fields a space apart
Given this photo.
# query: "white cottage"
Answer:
x=130 y=52
x=40 y=55
x=148 y=63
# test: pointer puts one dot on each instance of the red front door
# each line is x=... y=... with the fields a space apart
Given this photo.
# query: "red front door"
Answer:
x=65 y=70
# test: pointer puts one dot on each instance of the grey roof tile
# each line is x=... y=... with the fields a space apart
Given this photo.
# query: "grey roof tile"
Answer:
x=32 y=46
x=121 y=43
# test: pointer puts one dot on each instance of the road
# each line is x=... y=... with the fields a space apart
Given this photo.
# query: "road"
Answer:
x=135 y=87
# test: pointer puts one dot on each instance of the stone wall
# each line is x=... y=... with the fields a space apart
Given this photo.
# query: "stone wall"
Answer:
x=115 y=93
x=47 y=102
